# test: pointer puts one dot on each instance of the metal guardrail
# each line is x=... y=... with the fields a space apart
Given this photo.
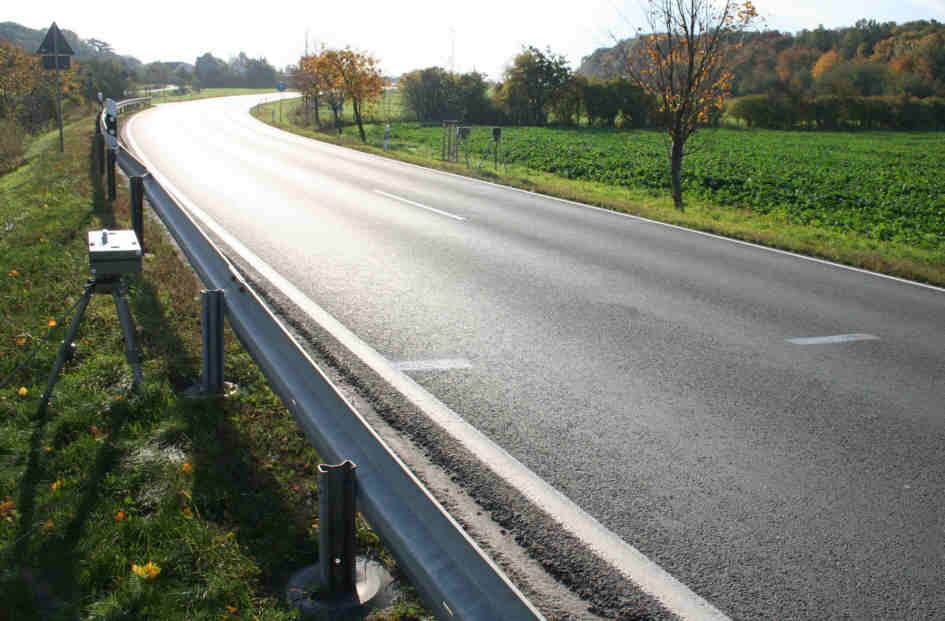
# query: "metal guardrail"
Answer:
x=451 y=573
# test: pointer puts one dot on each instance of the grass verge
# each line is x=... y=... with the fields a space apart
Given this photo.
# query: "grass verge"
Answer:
x=208 y=93
x=887 y=257
x=120 y=504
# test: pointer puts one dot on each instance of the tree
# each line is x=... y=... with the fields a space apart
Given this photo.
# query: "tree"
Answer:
x=686 y=64
x=532 y=82
x=103 y=75
x=18 y=72
x=356 y=75
x=100 y=47
x=426 y=93
x=210 y=71
x=827 y=61
x=305 y=80
x=437 y=94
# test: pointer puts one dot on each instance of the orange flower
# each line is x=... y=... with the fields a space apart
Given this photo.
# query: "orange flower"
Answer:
x=186 y=468
x=119 y=516
x=56 y=486
x=13 y=274
x=51 y=323
x=186 y=511
x=148 y=571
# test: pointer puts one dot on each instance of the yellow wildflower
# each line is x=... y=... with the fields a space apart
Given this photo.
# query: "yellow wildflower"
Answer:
x=13 y=274
x=56 y=486
x=148 y=571
x=23 y=391
x=51 y=323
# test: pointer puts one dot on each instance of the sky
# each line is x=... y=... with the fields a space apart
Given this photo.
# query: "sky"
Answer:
x=483 y=35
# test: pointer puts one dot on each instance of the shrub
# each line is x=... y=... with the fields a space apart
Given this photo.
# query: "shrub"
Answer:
x=12 y=145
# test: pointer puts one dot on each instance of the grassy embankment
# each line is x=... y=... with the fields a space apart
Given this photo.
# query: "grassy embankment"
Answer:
x=872 y=199
x=117 y=504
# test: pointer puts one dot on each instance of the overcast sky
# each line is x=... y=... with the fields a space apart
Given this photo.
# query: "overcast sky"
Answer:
x=406 y=34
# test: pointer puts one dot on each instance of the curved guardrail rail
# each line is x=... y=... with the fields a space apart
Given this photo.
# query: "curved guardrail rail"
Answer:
x=451 y=573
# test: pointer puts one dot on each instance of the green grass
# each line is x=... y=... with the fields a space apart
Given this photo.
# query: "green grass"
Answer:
x=872 y=199
x=388 y=108
x=208 y=93
x=220 y=494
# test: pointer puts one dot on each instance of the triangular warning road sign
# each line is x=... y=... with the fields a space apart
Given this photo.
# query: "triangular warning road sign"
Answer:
x=55 y=43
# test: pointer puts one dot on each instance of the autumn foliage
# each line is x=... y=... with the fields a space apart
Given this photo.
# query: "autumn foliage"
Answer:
x=336 y=76
x=686 y=65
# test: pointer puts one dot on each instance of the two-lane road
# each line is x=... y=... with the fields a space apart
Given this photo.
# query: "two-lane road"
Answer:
x=768 y=429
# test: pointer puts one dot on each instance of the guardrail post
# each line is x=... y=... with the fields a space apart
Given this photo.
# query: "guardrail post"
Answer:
x=212 y=324
x=342 y=585
x=137 y=209
x=110 y=171
x=336 y=530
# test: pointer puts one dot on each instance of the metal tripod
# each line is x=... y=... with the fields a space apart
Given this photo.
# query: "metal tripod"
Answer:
x=104 y=284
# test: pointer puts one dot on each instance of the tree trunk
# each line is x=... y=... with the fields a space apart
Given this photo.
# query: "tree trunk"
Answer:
x=675 y=172
x=356 y=105
x=315 y=110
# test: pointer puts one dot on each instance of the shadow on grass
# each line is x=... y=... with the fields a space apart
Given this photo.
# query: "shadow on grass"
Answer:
x=45 y=581
x=234 y=488
x=101 y=206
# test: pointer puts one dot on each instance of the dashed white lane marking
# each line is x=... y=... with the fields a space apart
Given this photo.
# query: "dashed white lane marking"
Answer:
x=828 y=340
x=421 y=206
x=442 y=364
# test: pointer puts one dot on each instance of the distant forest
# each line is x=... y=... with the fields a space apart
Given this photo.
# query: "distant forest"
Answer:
x=867 y=59
x=207 y=71
x=872 y=74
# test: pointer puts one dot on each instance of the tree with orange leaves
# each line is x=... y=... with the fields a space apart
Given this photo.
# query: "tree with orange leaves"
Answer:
x=337 y=75
x=18 y=76
x=356 y=75
x=685 y=64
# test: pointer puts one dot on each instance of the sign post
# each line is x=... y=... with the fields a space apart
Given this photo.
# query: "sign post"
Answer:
x=56 y=54
x=281 y=86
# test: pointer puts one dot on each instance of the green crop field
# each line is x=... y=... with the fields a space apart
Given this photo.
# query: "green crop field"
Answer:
x=887 y=186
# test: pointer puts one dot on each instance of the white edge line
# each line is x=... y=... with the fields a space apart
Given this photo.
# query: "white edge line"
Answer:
x=420 y=205
x=625 y=558
x=289 y=290
x=796 y=255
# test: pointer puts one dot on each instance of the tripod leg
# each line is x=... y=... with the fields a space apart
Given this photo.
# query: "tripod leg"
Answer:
x=128 y=328
x=73 y=329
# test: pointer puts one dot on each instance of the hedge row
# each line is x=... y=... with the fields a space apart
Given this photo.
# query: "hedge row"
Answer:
x=835 y=112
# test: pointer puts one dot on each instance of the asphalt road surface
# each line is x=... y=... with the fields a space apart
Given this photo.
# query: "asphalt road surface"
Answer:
x=770 y=430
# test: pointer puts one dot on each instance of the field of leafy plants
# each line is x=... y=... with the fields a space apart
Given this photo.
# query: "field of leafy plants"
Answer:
x=883 y=185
